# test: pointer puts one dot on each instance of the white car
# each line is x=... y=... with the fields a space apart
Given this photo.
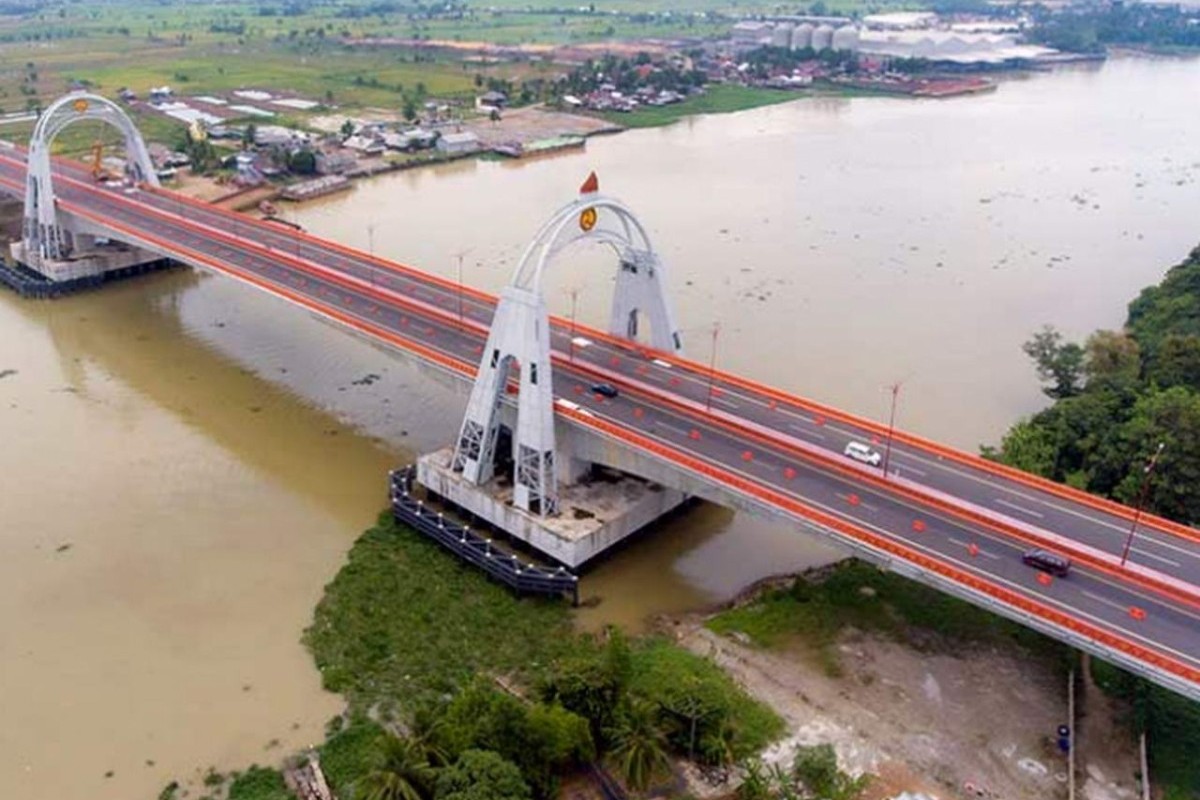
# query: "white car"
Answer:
x=861 y=452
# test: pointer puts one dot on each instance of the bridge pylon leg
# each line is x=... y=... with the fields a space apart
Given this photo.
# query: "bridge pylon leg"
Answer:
x=641 y=288
x=520 y=336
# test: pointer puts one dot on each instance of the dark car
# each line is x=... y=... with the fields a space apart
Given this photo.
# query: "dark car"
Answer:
x=605 y=390
x=1047 y=562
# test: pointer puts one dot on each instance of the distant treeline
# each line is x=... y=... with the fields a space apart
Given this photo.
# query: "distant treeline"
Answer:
x=1091 y=30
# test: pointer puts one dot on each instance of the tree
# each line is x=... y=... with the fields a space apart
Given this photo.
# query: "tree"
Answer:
x=639 y=744
x=249 y=135
x=1058 y=362
x=1111 y=356
x=410 y=109
x=593 y=685
x=1030 y=447
x=303 y=162
x=481 y=775
x=1176 y=363
x=348 y=127
x=403 y=775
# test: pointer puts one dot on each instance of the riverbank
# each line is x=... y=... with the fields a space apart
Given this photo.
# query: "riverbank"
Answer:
x=422 y=646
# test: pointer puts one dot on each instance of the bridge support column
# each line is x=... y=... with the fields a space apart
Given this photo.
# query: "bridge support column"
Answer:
x=520 y=337
x=55 y=246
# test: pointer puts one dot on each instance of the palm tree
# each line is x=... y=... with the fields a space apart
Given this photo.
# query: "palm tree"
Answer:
x=639 y=745
x=405 y=773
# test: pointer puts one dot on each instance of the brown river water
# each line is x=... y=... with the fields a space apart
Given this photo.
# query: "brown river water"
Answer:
x=186 y=462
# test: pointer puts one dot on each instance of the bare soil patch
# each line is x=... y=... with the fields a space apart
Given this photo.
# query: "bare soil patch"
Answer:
x=973 y=724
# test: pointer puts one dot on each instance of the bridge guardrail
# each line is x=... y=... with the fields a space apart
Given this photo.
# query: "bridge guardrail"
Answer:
x=1146 y=578
x=912 y=491
x=875 y=541
x=1027 y=479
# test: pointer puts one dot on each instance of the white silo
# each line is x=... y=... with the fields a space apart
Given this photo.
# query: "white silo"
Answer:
x=822 y=37
x=845 y=38
x=782 y=35
x=802 y=36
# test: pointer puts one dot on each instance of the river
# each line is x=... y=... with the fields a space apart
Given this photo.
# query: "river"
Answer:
x=186 y=462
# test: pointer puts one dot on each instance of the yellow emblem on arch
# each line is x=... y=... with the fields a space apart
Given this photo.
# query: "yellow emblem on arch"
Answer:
x=587 y=218
x=80 y=105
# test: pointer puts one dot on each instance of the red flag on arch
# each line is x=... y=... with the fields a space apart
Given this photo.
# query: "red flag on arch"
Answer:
x=591 y=185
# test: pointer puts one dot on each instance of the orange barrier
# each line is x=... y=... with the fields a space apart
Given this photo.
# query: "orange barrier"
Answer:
x=774 y=395
x=827 y=462
x=969 y=580
x=990 y=588
x=1166 y=586
x=1026 y=479
x=433 y=356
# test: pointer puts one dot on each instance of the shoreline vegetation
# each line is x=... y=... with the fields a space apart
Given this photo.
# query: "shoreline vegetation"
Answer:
x=451 y=681
x=1116 y=397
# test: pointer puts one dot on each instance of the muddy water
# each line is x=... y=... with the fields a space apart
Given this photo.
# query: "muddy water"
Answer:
x=186 y=462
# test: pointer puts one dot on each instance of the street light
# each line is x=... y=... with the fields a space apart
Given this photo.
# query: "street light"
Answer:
x=571 y=347
x=887 y=449
x=459 y=255
x=1148 y=470
x=371 y=250
x=712 y=366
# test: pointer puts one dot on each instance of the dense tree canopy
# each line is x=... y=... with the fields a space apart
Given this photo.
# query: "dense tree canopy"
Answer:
x=1118 y=396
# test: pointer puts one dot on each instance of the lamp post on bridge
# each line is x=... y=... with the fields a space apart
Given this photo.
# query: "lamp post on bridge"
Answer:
x=1148 y=470
x=371 y=249
x=887 y=448
x=459 y=256
x=571 y=343
x=712 y=366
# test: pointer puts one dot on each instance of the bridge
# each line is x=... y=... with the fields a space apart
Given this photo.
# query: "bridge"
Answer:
x=946 y=518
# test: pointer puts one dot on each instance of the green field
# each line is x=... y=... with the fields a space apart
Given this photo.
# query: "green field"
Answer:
x=718 y=99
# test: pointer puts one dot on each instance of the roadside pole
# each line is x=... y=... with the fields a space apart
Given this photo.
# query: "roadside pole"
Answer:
x=1145 y=769
x=1074 y=738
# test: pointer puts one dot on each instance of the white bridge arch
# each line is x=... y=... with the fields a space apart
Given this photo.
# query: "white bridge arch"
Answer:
x=45 y=237
x=520 y=332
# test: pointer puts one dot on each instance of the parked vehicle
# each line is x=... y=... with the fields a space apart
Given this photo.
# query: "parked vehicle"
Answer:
x=1047 y=562
x=861 y=452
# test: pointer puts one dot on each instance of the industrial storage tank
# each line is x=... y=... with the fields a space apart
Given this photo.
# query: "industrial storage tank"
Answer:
x=822 y=38
x=802 y=36
x=845 y=38
x=782 y=35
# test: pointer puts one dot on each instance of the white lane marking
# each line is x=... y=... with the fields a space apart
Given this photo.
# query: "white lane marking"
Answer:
x=1140 y=551
x=672 y=428
x=661 y=363
x=811 y=434
x=804 y=415
x=724 y=402
x=1104 y=600
x=1015 y=507
x=895 y=470
x=994 y=578
x=928 y=514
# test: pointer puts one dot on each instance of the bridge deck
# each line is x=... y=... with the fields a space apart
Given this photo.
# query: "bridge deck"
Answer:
x=945 y=516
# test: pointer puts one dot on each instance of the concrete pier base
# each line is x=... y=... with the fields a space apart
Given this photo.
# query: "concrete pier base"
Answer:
x=89 y=271
x=594 y=515
x=91 y=263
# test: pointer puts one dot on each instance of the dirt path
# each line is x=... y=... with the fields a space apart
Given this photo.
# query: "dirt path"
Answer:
x=978 y=724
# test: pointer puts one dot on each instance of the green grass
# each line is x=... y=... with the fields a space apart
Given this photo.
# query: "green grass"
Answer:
x=661 y=669
x=259 y=783
x=720 y=98
x=812 y=614
x=403 y=620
